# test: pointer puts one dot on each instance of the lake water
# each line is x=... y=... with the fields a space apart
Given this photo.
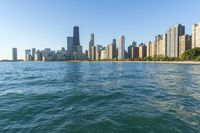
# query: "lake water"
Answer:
x=99 y=97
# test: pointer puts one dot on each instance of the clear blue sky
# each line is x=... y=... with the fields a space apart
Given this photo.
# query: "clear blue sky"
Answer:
x=46 y=23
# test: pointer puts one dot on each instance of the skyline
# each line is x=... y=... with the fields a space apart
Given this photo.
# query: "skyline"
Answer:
x=23 y=26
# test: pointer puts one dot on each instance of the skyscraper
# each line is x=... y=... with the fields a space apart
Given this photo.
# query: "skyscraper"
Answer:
x=70 y=44
x=114 y=48
x=91 y=44
x=196 y=35
x=173 y=34
x=14 y=54
x=185 y=43
x=33 y=54
x=142 y=50
x=121 y=48
x=28 y=55
x=76 y=39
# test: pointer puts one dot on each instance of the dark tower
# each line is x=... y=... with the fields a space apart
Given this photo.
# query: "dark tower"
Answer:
x=76 y=40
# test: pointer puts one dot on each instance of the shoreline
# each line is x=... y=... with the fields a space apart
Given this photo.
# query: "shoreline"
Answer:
x=146 y=62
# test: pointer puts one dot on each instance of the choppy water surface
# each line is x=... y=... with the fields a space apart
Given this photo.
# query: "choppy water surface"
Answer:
x=99 y=97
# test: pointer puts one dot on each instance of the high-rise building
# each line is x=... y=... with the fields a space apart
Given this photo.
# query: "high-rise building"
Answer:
x=114 y=48
x=76 y=39
x=161 y=45
x=38 y=55
x=196 y=35
x=149 y=49
x=185 y=43
x=142 y=51
x=98 y=51
x=164 y=45
x=130 y=49
x=70 y=44
x=103 y=54
x=158 y=41
x=93 y=53
x=28 y=55
x=91 y=44
x=14 y=54
x=121 y=48
x=173 y=34
x=33 y=54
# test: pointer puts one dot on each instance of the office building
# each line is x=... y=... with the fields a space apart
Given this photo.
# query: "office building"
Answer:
x=196 y=35
x=121 y=48
x=76 y=39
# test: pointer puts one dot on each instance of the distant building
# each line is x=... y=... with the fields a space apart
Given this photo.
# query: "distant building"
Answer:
x=33 y=54
x=121 y=48
x=161 y=45
x=91 y=44
x=142 y=51
x=14 y=54
x=114 y=48
x=93 y=53
x=70 y=44
x=98 y=51
x=28 y=55
x=134 y=44
x=196 y=35
x=76 y=39
x=173 y=34
x=133 y=52
x=130 y=49
x=150 y=51
x=103 y=54
x=185 y=43
x=38 y=55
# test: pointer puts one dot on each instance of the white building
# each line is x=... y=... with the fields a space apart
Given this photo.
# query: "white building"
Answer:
x=121 y=48
x=196 y=35
x=103 y=54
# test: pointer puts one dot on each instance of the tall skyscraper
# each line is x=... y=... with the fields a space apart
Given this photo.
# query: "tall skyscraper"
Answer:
x=91 y=44
x=173 y=34
x=196 y=35
x=121 y=48
x=70 y=44
x=114 y=48
x=14 y=54
x=76 y=39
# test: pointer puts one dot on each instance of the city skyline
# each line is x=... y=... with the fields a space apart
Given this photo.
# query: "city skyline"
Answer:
x=18 y=31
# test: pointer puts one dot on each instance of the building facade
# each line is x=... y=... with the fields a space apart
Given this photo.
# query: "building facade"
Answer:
x=196 y=35
x=185 y=43
x=173 y=34
x=121 y=48
x=14 y=54
x=142 y=51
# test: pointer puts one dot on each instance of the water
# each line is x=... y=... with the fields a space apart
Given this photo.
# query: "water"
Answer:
x=99 y=97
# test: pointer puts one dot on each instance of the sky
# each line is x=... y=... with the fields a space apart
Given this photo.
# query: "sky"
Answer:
x=40 y=24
